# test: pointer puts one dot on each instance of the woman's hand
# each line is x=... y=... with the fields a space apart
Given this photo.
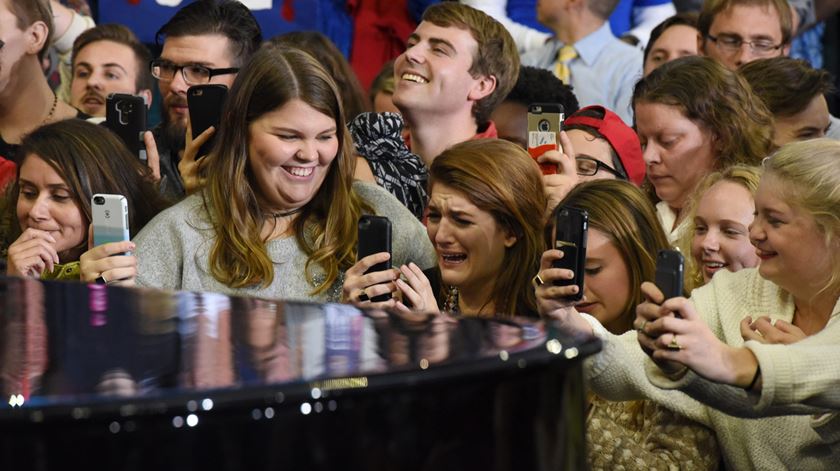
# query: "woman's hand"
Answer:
x=102 y=262
x=359 y=288
x=675 y=336
x=191 y=165
x=152 y=155
x=767 y=330
x=553 y=301
x=557 y=186
x=417 y=290
x=32 y=254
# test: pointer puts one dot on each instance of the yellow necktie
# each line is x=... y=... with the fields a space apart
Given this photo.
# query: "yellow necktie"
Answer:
x=561 y=69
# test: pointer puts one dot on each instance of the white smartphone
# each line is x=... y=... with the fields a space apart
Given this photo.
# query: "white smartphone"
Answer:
x=110 y=218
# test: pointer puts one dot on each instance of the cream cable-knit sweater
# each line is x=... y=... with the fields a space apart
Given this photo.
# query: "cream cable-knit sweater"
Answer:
x=618 y=372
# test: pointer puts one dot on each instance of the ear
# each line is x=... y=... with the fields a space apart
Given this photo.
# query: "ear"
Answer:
x=36 y=37
x=484 y=86
x=786 y=50
x=147 y=96
x=510 y=238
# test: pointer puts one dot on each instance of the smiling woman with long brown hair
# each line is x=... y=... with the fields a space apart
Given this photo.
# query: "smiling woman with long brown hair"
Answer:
x=278 y=215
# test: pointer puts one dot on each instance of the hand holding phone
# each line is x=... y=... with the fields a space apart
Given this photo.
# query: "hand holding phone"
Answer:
x=375 y=237
x=571 y=228
x=545 y=121
x=669 y=273
x=126 y=115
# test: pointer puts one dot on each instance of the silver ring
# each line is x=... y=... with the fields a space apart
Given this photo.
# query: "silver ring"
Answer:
x=537 y=280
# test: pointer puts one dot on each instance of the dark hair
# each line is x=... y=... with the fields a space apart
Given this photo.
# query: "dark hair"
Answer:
x=91 y=159
x=327 y=54
x=786 y=85
x=496 y=54
x=119 y=34
x=716 y=99
x=28 y=12
x=229 y=18
x=685 y=19
x=541 y=86
x=384 y=81
x=712 y=8
x=326 y=229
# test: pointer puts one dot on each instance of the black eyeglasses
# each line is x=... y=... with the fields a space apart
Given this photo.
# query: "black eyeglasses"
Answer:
x=587 y=166
x=732 y=44
x=192 y=74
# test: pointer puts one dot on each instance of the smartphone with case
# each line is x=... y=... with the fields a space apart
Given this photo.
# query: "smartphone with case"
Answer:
x=670 y=268
x=375 y=237
x=545 y=121
x=205 y=103
x=571 y=227
x=126 y=115
x=110 y=219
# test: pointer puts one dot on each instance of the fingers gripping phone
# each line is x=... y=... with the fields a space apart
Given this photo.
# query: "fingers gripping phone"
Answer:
x=571 y=226
x=670 y=266
x=545 y=121
x=375 y=237
x=126 y=116
x=205 y=103
x=110 y=219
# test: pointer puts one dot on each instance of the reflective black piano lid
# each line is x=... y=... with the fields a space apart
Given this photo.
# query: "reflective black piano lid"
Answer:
x=114 y=357
x=67 y=346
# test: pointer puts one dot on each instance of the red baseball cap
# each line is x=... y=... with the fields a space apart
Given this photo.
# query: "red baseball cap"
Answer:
x=621 y=137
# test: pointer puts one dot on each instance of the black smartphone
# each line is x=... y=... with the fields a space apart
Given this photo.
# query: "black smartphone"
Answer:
x=670 y=266
x=205 y=103
x=571 y=226
x=375 y=237
x=126 y=115
x=545 y=121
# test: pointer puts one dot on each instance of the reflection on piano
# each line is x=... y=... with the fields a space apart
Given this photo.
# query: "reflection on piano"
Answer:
x=115 y=378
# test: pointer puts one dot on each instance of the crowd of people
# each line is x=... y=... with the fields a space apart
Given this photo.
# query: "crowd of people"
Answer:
x=694 y=131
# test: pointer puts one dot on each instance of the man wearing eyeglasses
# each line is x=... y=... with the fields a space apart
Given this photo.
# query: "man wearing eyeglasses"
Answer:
x=207 y=41
x=735 y=32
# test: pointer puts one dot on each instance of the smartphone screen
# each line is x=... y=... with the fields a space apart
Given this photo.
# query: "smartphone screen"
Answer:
x=570 y=234
x=375 y=237
x=669 y=273
x=545 y=121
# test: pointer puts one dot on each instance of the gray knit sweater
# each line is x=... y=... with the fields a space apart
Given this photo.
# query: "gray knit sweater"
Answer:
x=619 y=372
x=173 y=251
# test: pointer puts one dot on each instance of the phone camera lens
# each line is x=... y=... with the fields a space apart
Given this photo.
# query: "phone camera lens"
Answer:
x=98 y=200
x=544 y=125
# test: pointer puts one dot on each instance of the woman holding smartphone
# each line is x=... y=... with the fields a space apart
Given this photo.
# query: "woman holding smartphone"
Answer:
x=485 y=220
x=796 y=233
x=694 y=116
x=623 y=240
x=64 y=164
x=278 y=214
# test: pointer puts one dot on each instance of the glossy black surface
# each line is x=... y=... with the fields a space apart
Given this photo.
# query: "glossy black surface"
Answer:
x=136 y=379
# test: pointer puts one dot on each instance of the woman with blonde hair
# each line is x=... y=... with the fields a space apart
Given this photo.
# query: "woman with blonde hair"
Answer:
x=278 y=215
x=718 y=218
x=486 y=222
x=694 y=116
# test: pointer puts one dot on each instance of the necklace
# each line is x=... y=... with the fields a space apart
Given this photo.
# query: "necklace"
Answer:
x=451 y=303
x=52 y=109
x=283 y=214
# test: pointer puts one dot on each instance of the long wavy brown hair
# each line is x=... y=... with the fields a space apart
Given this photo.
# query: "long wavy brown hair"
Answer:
x=326 y=227
x=501 y=178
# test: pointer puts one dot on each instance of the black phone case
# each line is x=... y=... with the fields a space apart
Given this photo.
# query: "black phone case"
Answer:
x=205 y=103
x=571 y=226
x=670 y=266
x=126 y=116
x=375 y=237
